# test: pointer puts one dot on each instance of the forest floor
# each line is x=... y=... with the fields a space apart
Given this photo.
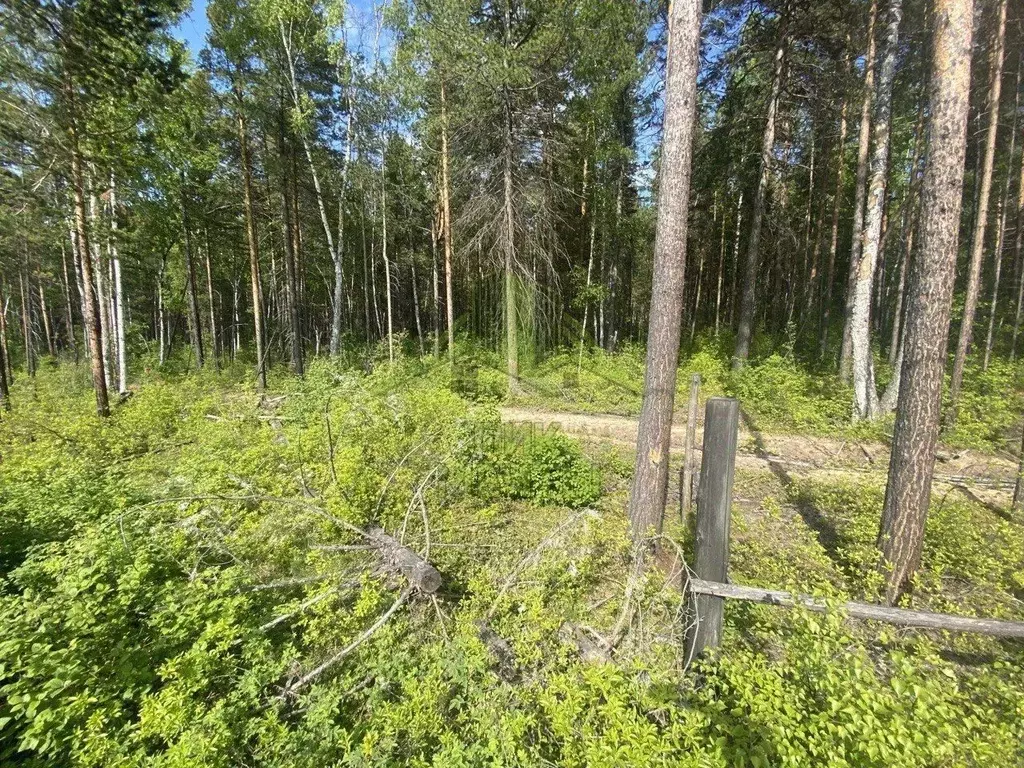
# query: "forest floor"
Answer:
x=984 y=477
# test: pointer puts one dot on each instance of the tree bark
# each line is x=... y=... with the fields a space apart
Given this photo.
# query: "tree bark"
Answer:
x=865 y=398
x=1004 y=205
x=981 y=223
x=291 y=279
x=446 y=227
x=68 y=306
x=916 y=430
x=745 y=328
x=215 y=345
x=253 y=240
x=195 y=325
x=860 y=192
x=650 y=480
x=837 y=206
x=92 y=309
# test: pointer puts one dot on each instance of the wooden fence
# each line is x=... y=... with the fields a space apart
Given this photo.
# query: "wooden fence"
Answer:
x=710 y=585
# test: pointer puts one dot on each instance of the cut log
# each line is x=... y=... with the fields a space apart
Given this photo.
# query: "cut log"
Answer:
x=900 y=616
x=421 y=574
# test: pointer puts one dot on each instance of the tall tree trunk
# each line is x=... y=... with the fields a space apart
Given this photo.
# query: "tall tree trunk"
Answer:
x=508 y=217
x=1018 y=252
x=100 y=272
x=92 y=309
x=5 y=391
x=8 y=369
x=837 y=206
x=339 y=265
x=1004 y=205
x=737 y=236
x=435 y=277
x=26 y=323
x=384 y=258
x=865 y=398
x=981 y=223
x=745 y=329
x=195 y=325
x=291 y=280
x=650 y=480
x=446 y=227
x=118 y=290
x=68 y=306
x=916 y=431
x=335 y=251
x=215 y=344
x=253 y=240
x=45 y=315
x=859 y=194
x=416 y=304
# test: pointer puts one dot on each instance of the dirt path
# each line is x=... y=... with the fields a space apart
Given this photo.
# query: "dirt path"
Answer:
x=785 y=455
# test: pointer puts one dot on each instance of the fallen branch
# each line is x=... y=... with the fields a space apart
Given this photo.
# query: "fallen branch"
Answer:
x=421 y=574
x=900 y=616
x=362 y=638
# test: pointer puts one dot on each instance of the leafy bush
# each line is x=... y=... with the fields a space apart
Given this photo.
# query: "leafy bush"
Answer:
x=544 y=468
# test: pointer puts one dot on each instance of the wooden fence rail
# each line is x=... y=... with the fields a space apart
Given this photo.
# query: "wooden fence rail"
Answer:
x=709 y=585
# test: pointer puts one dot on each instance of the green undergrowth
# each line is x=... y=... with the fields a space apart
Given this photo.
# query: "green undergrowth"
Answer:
x=779 y=392
x=185 y=584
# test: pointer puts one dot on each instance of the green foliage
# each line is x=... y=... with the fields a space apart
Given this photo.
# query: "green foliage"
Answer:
x=163 y=584
x=544 y=468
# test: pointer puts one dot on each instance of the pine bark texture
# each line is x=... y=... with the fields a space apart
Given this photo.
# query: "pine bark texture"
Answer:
x=650 y=480
x=916 y=430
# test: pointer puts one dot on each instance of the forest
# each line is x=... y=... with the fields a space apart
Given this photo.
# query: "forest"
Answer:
x=345 y=355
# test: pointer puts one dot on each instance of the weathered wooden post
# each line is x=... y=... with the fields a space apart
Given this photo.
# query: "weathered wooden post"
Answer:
x=714 y=504
x=686 y=473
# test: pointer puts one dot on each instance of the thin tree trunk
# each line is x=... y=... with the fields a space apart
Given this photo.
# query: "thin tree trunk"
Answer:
x=45 y=314
x=291 y=278
x=68 y=306
x=916 y=431
x=1004 y=204
x=435 y=277
x=384 y=258
x=195 y=326
x=745 y=329
x=7 y=372
x=102 y=298
x=1017 y=253
x=446 y=227
x=650 y=480
x=737 y=236
x=860 y=193
x=865 y=398
x=26 y=324
x=253 y=240
x=837 y=206
x=416 y=305
x=339 y=269
x=980 y=227
x=214 y=343
x=92 y=309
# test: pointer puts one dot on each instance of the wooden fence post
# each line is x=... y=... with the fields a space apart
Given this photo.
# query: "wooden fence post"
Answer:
x=714 y=504
x=686 y=473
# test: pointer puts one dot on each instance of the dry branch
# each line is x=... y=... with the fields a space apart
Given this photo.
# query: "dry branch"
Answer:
x=900 y=616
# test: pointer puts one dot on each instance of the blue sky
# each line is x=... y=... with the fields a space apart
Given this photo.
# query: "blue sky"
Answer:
x=193 y=27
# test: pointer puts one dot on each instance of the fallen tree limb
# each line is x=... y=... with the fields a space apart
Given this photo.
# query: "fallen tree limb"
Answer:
x=900 y=616
x=421 y=574
x=366 y=635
